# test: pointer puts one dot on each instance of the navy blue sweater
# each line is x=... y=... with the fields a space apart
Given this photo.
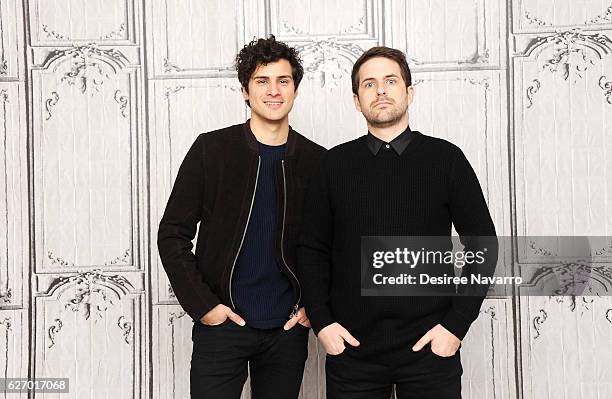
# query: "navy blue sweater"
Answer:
x=262 y=293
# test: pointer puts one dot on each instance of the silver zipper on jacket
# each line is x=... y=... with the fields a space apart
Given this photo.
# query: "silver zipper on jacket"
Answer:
x=296 y=306
x=244 y=233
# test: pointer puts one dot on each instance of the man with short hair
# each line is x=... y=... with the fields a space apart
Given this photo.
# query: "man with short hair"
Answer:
x=245 y=185
x=392 y=182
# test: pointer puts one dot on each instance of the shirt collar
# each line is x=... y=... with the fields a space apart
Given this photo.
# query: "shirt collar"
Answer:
x=398 y=144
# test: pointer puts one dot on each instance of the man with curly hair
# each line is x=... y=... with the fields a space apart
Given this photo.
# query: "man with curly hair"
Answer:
x=245 y=186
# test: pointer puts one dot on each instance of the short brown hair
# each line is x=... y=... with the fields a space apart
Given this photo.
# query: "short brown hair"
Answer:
x=385 y=52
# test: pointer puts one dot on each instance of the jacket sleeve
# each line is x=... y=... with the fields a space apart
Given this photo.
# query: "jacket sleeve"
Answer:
x=178 y=228
x=473 y=223
x=314 y=251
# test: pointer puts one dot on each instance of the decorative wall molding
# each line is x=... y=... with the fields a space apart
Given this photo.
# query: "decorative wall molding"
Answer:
x=125 y=257
x=6 y=295
x=90 y=68
x=532 y=90
x=533 y=20
x=574 y=278
x=171 y=67
x=118 y=33
x=53 y=34
x=56 y=260
x=91 y=298
x=329 y=60
x=604 y=18
x=287 y=29
x=50 y=103
x=126 y=327
x=572 y=50
x=114 y=25
x=87 y=281
x=538 y=321
x=7 y=323
x=358 y=27
x=8 y=327
x=480 y=56
x=53 y=330
x=536 y=250
x=606 y=86
x=171 y=293
x=83 y=56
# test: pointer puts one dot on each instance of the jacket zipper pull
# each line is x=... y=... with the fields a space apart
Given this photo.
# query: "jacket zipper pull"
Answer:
x=294 y=312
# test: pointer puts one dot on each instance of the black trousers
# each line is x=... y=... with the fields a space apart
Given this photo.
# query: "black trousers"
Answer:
x=221 y=355
x=423 y=375
x=385 y=358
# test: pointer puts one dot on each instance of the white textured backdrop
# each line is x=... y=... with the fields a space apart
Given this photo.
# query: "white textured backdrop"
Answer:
x=100 y=99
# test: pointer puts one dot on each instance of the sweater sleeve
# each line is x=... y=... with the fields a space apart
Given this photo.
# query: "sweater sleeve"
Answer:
x=473 y=223
x=178 y=228
x=314 y=251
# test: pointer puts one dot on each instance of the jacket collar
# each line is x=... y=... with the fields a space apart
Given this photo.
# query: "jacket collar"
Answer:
x=254 y=145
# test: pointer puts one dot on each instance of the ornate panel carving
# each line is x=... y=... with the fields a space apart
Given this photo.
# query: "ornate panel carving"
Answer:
x=487 y=353
x=85 y=160
x=192 y=37
x=11 y=40
x=83 y=319
x=67 y=22
x=549 y=16
x=14 y=345
x=562 y=149
x=182 y=110
x=312 y=20
x=562 y=337
x=13 y=202
x=451 y=34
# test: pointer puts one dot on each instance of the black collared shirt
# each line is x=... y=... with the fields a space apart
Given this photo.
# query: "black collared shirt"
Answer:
x=398 y=144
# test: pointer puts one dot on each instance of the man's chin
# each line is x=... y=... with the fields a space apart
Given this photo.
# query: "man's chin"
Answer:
x=274 y=117
x=383 y=122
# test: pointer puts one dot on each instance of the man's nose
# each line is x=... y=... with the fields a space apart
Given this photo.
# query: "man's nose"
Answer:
x=380 y=90
x=273 y=89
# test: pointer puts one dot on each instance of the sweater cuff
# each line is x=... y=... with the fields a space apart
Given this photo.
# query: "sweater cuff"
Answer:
x=320 y=318
x=456 y=323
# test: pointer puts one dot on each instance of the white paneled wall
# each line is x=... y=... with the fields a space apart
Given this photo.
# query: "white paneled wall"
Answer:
x=100 y=100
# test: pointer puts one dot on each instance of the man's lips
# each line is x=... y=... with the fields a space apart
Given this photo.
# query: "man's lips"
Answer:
x=274 y=104
x=379 y=103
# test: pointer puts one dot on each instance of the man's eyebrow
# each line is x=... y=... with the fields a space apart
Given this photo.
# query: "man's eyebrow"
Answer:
x=268 y=77
x=392 y=75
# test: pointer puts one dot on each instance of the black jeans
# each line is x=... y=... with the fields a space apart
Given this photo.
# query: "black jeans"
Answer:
x=416 y=375
x=275 y=359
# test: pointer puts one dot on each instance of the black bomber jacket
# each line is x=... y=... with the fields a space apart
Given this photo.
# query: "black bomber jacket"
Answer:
x=215 y=186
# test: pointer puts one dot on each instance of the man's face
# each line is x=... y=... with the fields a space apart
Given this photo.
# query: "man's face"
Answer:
x=383 y=97
x=271 y=91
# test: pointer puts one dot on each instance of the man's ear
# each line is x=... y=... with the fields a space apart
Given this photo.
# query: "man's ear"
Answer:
x=357 y=103
x=410 y=90
x=245 y=95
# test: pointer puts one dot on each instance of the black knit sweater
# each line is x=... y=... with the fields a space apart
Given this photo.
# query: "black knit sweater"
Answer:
x=421 y=192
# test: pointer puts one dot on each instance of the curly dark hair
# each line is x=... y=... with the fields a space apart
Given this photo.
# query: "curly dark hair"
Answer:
x=262 y=52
